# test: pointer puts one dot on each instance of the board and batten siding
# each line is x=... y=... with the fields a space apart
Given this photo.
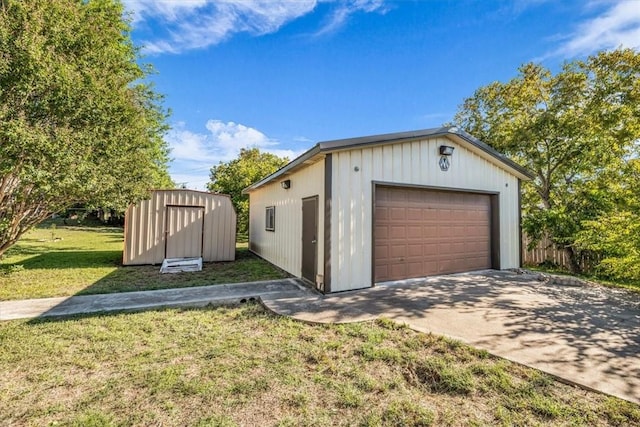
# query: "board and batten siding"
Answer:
x=410 y=163
x=283 y=246
x=146 y=226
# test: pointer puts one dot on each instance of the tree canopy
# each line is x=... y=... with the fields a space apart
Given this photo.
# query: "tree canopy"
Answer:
x=232 y=177
x=78 y=121
x=576 y=130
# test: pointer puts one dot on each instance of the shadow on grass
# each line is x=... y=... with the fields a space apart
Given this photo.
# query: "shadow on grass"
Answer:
x=67 y=258
x=247 y=267
x=259 y=312
x=103 y=273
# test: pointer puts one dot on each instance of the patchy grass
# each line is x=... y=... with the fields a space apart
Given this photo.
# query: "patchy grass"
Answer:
x=71 y=260
x=245 y=366
x=594 y=278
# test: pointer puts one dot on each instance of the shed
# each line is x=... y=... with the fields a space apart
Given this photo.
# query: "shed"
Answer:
x=180 y=224
x=350 y=213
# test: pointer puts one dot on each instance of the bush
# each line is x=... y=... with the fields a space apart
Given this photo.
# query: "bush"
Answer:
x=617 y=237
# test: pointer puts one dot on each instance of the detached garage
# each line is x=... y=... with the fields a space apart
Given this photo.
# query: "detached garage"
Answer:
x=351 y=213
x=180 y=224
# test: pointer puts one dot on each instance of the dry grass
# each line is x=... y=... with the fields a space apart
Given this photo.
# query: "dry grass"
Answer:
x=245 y=366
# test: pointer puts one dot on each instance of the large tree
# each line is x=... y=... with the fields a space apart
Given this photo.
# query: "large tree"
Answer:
x=232 y=177
x=575 y=130
x=78 y=122
x=615 y=235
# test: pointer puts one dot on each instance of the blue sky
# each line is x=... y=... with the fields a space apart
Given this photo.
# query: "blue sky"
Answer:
x=284 y=74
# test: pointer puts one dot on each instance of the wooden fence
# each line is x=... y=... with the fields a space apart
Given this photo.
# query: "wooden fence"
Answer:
x=546 y=252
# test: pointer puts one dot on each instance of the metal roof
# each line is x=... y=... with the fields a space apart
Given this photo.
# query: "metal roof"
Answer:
x=390 y=138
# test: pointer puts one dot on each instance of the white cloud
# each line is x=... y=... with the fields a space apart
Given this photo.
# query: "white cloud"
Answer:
x=194 y=24
x=230 y=136
x=618 y=25
x=189 y=146
x=340 y=15
x=194 y=154
x=302 y=139
x=169 y=10
x=192 y=181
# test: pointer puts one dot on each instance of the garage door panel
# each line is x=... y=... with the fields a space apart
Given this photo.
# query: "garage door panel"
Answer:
x=397 y=232
x=459 y=248
x=478 y=231
x=414 y=232
x=399 y=196
x=424 y=232
x=414 y=214
x=444 y=266
x=382 y=213
x=429 y=214
x=414 y=269
x=382 y=270
x=397 y=251
x=382 y=252
x=382 y=231
x=398 y=270
x=414 y=250
x=458 y=231
x=444 y=214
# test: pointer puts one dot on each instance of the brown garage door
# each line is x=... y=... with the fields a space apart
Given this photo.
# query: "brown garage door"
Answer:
x=422 y=232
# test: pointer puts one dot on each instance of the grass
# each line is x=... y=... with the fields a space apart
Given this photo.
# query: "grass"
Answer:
x=594 y=278
x=82 y=260
x=244 y=366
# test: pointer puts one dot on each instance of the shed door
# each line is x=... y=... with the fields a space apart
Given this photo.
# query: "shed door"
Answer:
x=421 y=232
x=184 y=230
x=310 y=238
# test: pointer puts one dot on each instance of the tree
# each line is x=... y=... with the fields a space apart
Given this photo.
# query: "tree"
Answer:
x=615 y=235
x=575 y=130
x=234 y=176
x=77 y=122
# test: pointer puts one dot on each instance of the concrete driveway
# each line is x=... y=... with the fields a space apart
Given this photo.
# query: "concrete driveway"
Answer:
x=589 y=335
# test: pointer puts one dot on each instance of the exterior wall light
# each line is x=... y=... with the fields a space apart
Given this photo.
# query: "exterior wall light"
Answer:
x=446 y=150
x=286 y=184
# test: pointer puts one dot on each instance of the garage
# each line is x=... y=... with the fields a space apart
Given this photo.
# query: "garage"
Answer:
x=352 y=213
x=421 y=232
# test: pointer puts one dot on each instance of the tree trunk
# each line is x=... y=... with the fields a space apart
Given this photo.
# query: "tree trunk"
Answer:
x=574 y=259
x=19 y=223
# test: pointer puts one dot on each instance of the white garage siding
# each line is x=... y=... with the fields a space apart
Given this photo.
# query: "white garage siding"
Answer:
x=410 y=163
x=283 y=246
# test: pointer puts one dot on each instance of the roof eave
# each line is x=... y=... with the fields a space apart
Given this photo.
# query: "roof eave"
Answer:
x=289 y=167
x=520 y=171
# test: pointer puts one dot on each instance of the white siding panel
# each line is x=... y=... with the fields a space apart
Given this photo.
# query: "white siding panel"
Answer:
x=283 y=247
x=411 y=163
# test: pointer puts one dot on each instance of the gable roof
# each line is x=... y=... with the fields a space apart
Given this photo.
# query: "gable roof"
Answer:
x=450 y=132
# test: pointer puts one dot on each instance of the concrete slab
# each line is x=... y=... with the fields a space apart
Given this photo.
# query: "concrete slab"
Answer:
x=132 y=301
x=588 y=335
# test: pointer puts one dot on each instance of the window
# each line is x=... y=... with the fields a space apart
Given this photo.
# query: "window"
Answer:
x=270 y=222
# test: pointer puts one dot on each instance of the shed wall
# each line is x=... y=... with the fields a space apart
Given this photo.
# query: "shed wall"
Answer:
x=283 y=246
x=410 y=163
x=146 y=226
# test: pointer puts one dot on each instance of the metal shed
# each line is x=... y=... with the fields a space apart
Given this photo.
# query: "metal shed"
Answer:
x=180 y=224
x=350 y=213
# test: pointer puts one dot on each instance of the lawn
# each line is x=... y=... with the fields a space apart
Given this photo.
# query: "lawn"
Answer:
x=628 y=285
x=81 y=260
x=245 y=366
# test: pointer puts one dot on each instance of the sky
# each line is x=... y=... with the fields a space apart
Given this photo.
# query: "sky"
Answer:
x=282 y=75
